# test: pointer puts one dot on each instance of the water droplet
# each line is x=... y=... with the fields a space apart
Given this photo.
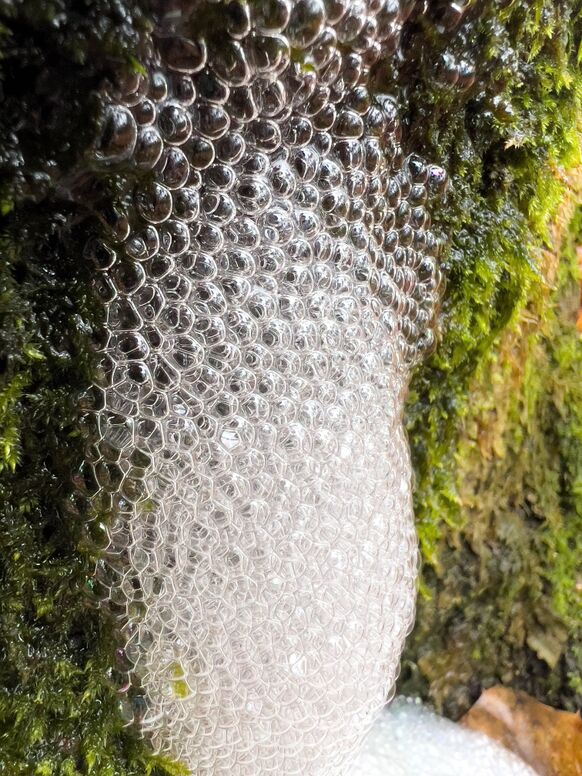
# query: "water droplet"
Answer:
x=200 y=153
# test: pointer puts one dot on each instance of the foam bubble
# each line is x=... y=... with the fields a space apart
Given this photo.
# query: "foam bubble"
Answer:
x=267 y=290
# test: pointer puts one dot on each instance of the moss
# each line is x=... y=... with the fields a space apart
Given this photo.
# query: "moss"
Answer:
x=58 y=703
x=504 y=138
x=58 y=700
x=506 y=607
x=490 y=607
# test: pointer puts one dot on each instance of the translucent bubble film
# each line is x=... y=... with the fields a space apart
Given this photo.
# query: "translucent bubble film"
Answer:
x=408 y=740
x=268 y=288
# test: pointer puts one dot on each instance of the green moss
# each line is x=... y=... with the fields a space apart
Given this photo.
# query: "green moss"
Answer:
x=58 y=702
x=504 y=139
x=506 y=606
x=58 y=699
x=507 y=140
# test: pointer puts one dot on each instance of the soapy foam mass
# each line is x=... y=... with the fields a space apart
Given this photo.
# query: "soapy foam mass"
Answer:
x=267 y=290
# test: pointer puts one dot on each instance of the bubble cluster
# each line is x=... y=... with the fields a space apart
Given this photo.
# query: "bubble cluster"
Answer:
x=267 y=289
x=409 y=739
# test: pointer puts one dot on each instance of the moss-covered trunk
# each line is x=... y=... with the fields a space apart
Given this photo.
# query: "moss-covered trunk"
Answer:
x=503 y=605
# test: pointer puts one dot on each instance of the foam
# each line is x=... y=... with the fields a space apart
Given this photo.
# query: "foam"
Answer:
x=268 y=287
x=409 y=740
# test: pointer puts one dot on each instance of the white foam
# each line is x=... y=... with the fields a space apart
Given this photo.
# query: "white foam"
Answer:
x=267 y=290
x=409 y=740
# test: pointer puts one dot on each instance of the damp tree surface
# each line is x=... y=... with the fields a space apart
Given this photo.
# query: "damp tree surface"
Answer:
x=486 y=92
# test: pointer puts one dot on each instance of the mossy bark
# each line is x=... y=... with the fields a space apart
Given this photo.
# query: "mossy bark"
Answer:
x=503 y=605
x=494 y=416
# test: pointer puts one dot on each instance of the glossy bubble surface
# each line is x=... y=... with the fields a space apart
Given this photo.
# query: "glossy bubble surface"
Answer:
x=272 y=281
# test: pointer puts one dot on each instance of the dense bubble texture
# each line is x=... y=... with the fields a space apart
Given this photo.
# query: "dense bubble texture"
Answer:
x=267 y=290
x=409 y=740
